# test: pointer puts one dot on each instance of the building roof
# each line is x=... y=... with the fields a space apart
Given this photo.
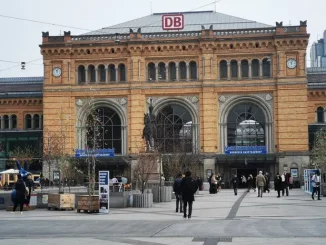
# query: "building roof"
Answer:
x=193 y=21
x=21 y=87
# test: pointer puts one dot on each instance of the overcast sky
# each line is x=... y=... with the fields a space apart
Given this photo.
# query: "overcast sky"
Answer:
x=20 y=39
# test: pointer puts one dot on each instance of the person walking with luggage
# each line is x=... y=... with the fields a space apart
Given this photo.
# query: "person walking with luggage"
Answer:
x=234 y=182
x=20 y=196
x=260 y=183
x=177 y=192
x=316 y=185
x=278 y=184
x=188 y=190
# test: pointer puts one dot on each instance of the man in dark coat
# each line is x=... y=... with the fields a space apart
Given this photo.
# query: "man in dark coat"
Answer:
x=188 y=190
x=278 y=185
x=177 y=192
x=267 y=183
x=20 y=189
x=234 y=182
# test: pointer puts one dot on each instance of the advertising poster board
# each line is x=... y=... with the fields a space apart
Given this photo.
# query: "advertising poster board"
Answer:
x=294 y=172
x=104 y=191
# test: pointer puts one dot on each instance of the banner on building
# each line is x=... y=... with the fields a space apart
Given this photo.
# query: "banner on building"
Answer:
x=243 y=150
x=94 y=152
x=104 y=191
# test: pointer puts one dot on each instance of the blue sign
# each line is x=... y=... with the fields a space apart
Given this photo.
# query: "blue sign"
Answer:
x=104 y=191
x=94 y=152
x=243 y=150
x=104 y=178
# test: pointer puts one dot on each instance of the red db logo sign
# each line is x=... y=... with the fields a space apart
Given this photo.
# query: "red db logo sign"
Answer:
x=172 y=22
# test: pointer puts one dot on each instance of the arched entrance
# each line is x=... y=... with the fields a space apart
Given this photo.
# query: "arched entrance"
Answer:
x=175 y=129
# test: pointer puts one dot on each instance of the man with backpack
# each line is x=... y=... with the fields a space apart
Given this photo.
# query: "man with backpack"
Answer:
x=188 y=190
x=177 y=192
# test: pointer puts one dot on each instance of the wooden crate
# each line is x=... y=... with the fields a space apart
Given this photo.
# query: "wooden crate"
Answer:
x=88 y=204
x=61 y=201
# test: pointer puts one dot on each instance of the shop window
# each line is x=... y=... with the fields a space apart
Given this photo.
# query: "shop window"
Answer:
x=122 y=72
x=223 y=69
x=234 y=69
x=183 y=70
x=173 y=71
x=193 y=70
x=244 y=69
x=102 y=73
x=255 y=68
x=81 y=74
x=320 y=115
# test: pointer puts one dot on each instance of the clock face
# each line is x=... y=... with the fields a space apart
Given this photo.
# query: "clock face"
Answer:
x=292 y=63
x=56 y=72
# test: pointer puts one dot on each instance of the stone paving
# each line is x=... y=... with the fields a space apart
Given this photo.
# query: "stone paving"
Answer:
x=217 y=219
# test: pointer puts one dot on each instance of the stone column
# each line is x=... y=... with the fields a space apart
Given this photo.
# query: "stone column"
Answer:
x=167 y=74
x=239 y=70
x=76 y=76
x=96 y=75
x=229 y=70
x=116 y=74
x=10 y=122
x=188 y=72
x=86 y=76
x=250 y=70
x=204 y=68
x=106 y=75
x=324 y=115
x=33 y=124
x=40 y=122
x=156 y=73
x=177 y=71
x=208 y=164
x=260 y=69
x=218 y=72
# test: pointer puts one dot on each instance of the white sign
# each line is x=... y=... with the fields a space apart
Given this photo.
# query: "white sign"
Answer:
x=33 y=200
x=172 y=21
x=104 y=191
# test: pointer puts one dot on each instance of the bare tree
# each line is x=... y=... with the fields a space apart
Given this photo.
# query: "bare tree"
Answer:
x=25 y=154
x=318 y=153
x=145 y=168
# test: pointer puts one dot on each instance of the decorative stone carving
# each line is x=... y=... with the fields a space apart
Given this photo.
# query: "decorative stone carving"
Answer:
x=123 y=101
x=222 y=99
x=194 y=99
x=269 y=97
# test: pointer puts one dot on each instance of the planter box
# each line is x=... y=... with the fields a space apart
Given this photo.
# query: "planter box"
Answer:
x=143 y=200
x=88 y=204
x=166 y=193
x=61 y=201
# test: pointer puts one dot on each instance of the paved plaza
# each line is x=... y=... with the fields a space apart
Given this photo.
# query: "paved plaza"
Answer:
x=217 y=219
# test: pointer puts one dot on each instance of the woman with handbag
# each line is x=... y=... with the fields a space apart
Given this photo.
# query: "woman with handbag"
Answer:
x=20 y=196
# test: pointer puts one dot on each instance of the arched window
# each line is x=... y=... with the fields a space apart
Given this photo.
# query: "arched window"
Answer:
x=182 y=70
x=161 y=71
x=255 y=68
x=36 y=119
x=244 y=69
x=102 y=73
x=6 y=122
x=91 y=74
x=193 y=70
x=151 y=72
x=106 y=125
x=81 y=74
x=174 y=129
x=112 y=73
x=266 y=68
x=172 y=71
x=320 y=115
x=122 y=72
x=234 y=68
x=28 y=121
x=246 y=126
x=223 y=69
x=13 y=121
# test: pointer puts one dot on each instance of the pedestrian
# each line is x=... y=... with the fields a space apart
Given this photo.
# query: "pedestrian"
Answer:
x=199 y=183
x=243 y=179
x=213 y=184
x=316 y=185
x=20 y=196
x=219 y=182
x=278 y=184
x=267 y=183
x=250 y=182
x=291 y=182
x=260 y=183
x=234 y=182
x=177 y=192
x=188 y=190
x=285 y=183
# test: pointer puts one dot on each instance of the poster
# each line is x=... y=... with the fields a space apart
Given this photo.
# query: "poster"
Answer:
x=45 y=199
x=104 y=191
x=294 y=172
x=33 y=200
